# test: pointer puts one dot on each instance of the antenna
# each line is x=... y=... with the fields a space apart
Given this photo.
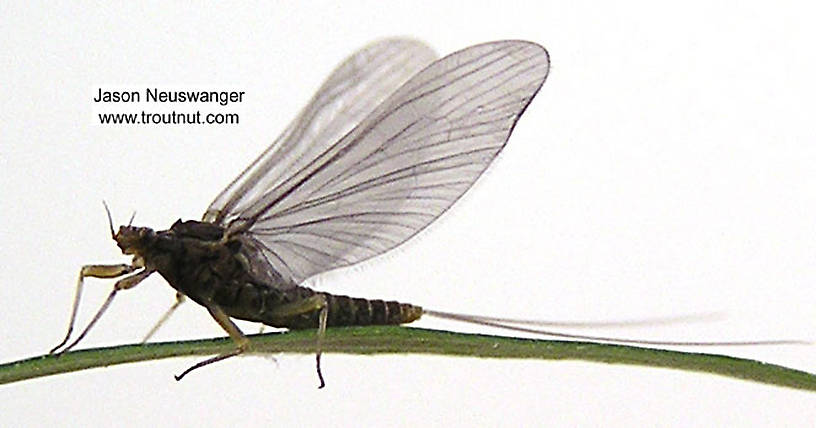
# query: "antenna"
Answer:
x=110 y=219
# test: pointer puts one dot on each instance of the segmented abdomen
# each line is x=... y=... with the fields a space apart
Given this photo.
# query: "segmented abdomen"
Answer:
x=350 y=311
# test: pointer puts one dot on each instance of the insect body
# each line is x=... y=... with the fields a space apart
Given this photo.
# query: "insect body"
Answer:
x=193 y=259
x=390 y=141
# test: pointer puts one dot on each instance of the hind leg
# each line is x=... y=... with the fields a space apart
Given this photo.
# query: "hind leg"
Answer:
x=314 y=303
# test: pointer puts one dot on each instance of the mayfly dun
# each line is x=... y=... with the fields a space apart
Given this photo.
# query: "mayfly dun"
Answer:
x=392 y=138
x=390 y=141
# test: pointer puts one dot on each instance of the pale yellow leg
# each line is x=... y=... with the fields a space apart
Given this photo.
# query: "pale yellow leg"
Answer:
x=226 y=323
x=289 y=310
x=123 y=284
x=132 y=281
x=241 y=341
x=94 y=271
x=314 y=303
x=179 y=301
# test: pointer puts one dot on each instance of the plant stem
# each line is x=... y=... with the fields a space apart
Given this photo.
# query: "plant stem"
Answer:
x=401 y=340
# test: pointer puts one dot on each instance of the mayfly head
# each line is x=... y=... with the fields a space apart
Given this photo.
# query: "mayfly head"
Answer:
x=133 y=239
x=130 y=239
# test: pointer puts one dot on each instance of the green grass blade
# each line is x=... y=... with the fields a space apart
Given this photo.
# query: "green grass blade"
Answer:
x=401 y=340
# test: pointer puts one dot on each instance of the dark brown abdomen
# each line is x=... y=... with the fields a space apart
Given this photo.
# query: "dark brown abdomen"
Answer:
x=350 y=311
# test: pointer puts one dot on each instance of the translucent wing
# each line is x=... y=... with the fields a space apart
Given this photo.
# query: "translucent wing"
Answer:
x=351 y=92
x=400 y=168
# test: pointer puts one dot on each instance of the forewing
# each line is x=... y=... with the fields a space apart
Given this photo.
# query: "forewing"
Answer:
x=401 y=167
x=352 y=91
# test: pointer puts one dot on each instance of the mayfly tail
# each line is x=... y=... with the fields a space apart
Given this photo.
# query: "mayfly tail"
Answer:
x=640 y=322
x=508 y=325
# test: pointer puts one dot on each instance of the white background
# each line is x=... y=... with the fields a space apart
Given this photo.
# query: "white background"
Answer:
x=665 y=168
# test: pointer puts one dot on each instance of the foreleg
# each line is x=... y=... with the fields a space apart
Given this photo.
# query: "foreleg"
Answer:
x=94 y=271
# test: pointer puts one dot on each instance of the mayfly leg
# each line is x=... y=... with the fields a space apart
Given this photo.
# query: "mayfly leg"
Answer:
x=317 y=302
x=122 y=284
x=94 y=271
x=179 y=300
x=314 y=303
x=234 y=332
x=321 y=332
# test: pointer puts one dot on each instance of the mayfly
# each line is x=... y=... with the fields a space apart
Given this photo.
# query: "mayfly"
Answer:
x=392 y=138
x=390 y=141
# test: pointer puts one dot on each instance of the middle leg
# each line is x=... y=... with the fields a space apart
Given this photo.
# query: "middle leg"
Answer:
x=241 y=341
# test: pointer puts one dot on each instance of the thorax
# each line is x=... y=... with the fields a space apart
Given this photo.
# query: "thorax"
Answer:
x=196 y=260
